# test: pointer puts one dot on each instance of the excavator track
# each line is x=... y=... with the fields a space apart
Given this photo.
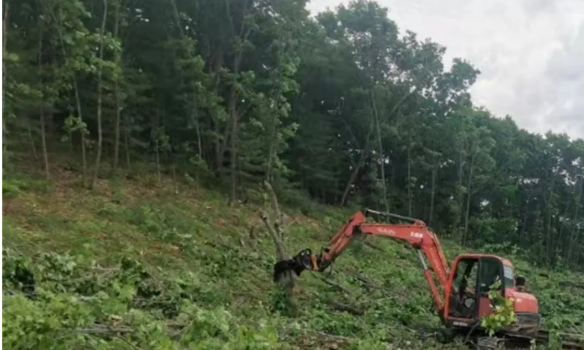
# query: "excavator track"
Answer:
x=568 y=341
x=510 y=342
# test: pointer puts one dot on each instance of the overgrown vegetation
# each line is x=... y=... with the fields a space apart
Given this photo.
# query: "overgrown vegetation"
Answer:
x=151 y=124
x=138 y=267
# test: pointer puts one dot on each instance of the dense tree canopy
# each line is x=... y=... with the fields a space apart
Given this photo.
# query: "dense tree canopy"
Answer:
x=342 y=107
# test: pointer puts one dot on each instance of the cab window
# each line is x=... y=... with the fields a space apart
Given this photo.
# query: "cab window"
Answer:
x=466 y=275
x=509 y=278
x=490 y=274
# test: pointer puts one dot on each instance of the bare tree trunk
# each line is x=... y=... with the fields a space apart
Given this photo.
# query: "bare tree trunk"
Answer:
x=156 y=145
x=233 y=106
x=127 y=135
x=353 y=177
x=548 y=238
x=233 y=152
x=460 y=195
x=574 y=234
x=99 y=98
x=272 y=140
x=271 y=149
x=5 y=22
x=83 y=131
x=286 y=280
x=364 y=153
x=42 y=107
x=117 y=95
x=198 y=131
x=409 y=181
x=195 y=117
x=432 y=195
x=44 y=142
x=380 y=152
x=174 y=177
x=33 y=146
x=218 y=62
x=468 y=198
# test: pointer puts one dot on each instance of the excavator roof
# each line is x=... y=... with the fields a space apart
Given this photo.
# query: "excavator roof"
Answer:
x=504 y=261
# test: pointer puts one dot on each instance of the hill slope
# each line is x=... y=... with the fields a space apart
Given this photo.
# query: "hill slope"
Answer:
x=136 y=265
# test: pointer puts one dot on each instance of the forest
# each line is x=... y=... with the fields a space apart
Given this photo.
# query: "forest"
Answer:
x=339 y=109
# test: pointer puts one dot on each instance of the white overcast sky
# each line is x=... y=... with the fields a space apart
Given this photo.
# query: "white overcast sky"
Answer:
x=530 y=53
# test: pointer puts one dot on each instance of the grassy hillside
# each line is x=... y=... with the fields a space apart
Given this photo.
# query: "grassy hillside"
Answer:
x=138 y=265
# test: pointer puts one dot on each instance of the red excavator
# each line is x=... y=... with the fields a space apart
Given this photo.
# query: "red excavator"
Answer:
x=461 y=299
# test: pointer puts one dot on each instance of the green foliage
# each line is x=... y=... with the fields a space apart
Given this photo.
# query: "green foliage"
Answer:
x=71 y=302
x=503 y=312
x=181 y=270
x=338 y=109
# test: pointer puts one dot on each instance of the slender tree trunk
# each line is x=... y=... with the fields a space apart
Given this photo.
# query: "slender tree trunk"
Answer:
x=174 y=177
x=230 y=132
x=432 y=195
x=233 y=152
x=468 y=198
x=198 y=130
x=460 y=195
x=127 y=141
x=234 y=116
x=218 y=62
x=31 y=138
x=365 y=152
x=409 y=181
x=353 y=177
x=522 y=232
x=44 y=142
x=548 y=238
x=156 y=145
x=99 y=98
x=42 y=107
x=117 y=95
x=271 y=146
x=380 y=152
x=5 y=20
x=558 y=236
x=233 y=105
x=575 y=231
x=195 y=117
x=83 y=131
x=270 y=152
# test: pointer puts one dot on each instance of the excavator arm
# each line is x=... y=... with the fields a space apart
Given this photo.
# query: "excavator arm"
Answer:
x=415 y=233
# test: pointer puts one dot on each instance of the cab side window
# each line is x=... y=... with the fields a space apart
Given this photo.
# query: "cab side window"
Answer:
x=491 y=270
x=466 y=276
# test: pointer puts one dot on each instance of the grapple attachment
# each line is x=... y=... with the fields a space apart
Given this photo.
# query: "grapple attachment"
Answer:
x=298 y=263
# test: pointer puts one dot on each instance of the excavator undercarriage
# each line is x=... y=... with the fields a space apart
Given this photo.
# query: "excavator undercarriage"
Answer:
x=460 y=290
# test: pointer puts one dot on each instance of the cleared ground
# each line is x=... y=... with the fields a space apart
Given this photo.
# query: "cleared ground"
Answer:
x=141 y=265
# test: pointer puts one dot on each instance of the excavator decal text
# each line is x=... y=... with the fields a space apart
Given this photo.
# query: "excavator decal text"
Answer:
x=386 y=231
x=416 y=235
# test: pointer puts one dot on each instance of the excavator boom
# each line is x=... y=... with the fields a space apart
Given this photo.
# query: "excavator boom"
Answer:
x=414 y=233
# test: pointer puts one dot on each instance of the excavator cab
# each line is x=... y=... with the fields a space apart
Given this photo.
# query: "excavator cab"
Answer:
x=467 y=293
x=467 y=299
